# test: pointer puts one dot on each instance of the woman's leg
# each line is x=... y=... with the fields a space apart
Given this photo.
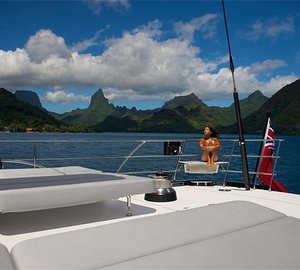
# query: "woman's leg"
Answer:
x=210 y=160
x=204 y=156
x=214 y=157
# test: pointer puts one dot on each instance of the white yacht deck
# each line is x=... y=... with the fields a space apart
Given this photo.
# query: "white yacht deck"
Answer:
x=202 y=229
x=16 y=227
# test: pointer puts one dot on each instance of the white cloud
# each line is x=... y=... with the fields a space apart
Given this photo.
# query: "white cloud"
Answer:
x=45 y=44
x=276 y=83
x=152 y=29
x=267 y=65
x=277 y=27
x=271 y=28
x=143 y=64
x=60 y=96
x=205 y=24
x=135 y=66
x=87 y=43
x=98 y=5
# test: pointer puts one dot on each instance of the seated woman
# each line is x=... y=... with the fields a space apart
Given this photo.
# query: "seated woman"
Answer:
x=210 y=146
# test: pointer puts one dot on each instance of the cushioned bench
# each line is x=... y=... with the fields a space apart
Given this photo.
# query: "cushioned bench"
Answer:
x=273 y=245
x=5 y=259
x=228 y=235
x=32 y=172
x=41 y=189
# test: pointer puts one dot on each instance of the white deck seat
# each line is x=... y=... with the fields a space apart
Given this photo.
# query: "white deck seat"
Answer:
x=51 y=191
x=200 y=167
x=33 y=172
x=271 y=245
x=6 y=262
x=188 y=239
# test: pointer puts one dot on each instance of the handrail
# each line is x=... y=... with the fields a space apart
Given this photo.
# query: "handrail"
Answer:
x=23 y=162
x=130 y=155
x=228 y=165
x=189 y=151
x=275 y=163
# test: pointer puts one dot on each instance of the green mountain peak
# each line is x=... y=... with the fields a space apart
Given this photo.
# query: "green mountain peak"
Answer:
x=18 y=115
x=98 y=99
x=189 y=101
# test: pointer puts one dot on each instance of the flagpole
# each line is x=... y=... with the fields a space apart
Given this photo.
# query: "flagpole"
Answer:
x=245 y=169
x=260 y=153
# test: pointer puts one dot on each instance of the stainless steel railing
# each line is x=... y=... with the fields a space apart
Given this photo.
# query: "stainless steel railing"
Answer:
x=120 y=153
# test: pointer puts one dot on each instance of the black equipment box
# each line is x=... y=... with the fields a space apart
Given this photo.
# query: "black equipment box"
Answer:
x=172 y=148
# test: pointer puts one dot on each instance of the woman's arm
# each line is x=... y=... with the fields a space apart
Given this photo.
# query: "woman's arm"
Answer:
x=214 y=146
x=217 y=144
x=202 y=144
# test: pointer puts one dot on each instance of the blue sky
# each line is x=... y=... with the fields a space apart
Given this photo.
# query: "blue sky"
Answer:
x=143 y=53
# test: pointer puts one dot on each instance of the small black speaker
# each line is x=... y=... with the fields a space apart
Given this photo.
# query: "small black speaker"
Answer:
x=172 y=148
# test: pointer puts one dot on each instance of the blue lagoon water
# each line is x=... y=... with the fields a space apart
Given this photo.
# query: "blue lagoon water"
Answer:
x=106 y=151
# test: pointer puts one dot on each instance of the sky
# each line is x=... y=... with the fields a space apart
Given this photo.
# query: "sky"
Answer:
x=144 y=53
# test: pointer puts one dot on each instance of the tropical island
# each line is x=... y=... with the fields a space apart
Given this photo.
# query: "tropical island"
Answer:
x=22 y=111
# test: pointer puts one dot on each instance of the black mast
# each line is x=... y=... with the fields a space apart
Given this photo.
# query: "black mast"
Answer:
x=237 y=111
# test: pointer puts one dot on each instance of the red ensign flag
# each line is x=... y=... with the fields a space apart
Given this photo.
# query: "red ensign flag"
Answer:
x=266 y=162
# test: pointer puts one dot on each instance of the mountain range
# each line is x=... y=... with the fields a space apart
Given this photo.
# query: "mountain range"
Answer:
x=18 y=115
x=28 y=97
x=284 y=107
x=181 y=114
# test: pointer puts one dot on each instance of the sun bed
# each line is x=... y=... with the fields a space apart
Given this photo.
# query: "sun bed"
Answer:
x=66 y=186
x=5 y=259
x=233 y=235
x=31 y=172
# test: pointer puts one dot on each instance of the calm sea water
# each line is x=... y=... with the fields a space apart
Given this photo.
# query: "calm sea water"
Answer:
x=104 y=151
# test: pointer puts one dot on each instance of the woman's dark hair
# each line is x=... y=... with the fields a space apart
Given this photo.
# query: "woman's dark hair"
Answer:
x=214 y=133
